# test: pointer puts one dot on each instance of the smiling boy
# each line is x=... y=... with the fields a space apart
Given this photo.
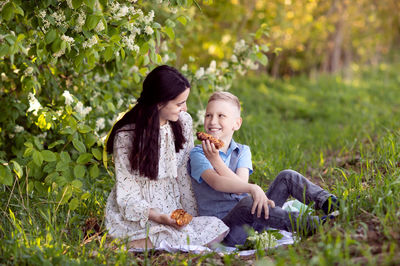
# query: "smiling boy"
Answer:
x=220 y=180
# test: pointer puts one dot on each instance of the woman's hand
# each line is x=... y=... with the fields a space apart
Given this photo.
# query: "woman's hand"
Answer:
x=211 y=153
x=260 y=201
x=162 y=218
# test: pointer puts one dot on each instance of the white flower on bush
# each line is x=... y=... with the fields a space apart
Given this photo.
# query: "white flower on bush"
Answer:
x=80 y=21
x=132 y=1
x=59 y=53
x=69 y=3
x=184 y=68
x=200 y=118
x=18 y=129
x=28 y=71
x=81 y=110
x=89 y=43
x=34 y=104
x=134 y=69
x=100 y=26
x=67 y=39
x=250 y=64
x=149 y=18
x=212 y=68
x=148 y=30
x=59 y=18
x=234 y=58
x=199 y=73
x=68 y=97
x=42 y=14
x=173 y=10
x=224 y=65
x=164 y=47
x=100 y=124
x=129 y=42
x=240 y=47
x=165 y=58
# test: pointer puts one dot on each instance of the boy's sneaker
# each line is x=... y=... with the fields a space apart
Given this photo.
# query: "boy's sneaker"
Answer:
x=330 y=205
x=329 y=217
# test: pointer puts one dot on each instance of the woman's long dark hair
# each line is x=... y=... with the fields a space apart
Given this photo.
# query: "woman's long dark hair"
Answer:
x=162 y=84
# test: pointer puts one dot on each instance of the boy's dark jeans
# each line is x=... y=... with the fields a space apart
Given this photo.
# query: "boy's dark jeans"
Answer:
x=287 y=183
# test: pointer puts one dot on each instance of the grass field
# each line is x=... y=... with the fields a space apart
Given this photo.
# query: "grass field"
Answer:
x=342 y=134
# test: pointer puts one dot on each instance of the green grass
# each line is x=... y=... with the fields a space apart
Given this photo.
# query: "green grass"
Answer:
x=343 y=134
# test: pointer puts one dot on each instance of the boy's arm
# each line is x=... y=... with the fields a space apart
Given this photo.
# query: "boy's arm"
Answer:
x=212 y=154
x=229 y=185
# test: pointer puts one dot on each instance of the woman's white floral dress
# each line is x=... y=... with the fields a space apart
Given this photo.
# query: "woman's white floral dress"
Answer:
x=133 y=195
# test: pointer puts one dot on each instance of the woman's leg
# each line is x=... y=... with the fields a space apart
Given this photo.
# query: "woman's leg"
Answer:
x=291 y=183
x=141 y=243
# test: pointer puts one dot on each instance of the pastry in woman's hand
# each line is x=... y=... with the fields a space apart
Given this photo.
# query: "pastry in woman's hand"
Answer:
x=181 y=217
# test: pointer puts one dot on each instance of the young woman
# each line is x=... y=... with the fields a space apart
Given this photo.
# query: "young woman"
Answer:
x=151 y=145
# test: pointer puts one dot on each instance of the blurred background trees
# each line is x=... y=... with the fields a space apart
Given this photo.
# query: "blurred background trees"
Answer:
x=305 y=36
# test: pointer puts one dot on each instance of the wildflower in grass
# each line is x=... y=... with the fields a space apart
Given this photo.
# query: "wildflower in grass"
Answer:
x=100 y=124
x=199 y=73
x=148 y=30
x=68 y=97
x=81 y=110
x=34 y=104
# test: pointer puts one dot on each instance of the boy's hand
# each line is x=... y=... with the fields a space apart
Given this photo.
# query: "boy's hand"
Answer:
x=211 y=153
x=260 y=201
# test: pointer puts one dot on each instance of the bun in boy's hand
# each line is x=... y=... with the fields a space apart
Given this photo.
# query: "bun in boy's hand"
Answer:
x=204 y=136
x=181 y=217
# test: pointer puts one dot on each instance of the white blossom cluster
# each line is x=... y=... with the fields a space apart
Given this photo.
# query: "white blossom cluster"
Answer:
x=68 y=39
x=101 y=79
x=240 y=47
x=80 y=21
x=68 y=97
x=28 y=71
x=18 y=129
x=100 y=26
x=81 y=109
x=129 y=42
x=100 y=124
x=89 y=43
x=59 y=18
x=34 y=104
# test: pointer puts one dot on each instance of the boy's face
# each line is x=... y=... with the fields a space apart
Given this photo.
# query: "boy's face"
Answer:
x=222 y=119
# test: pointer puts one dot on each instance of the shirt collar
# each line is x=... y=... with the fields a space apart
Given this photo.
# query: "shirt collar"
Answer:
x=232 y=146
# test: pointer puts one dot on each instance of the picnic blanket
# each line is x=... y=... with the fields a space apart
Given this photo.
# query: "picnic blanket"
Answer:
x=287 y=239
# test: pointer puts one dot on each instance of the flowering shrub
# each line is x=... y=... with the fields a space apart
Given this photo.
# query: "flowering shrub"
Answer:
x=68 y=68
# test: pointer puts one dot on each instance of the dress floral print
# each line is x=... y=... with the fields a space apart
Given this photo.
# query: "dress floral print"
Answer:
x=130 y=200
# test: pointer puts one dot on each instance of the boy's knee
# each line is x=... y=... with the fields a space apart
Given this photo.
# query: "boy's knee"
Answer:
x=287 y=174
x=245 y=204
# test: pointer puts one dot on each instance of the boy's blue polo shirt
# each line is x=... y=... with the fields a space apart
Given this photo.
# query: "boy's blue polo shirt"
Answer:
x=199 y=162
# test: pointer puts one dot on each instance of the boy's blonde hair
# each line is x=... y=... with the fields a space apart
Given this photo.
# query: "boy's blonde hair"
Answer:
x=225 y=96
